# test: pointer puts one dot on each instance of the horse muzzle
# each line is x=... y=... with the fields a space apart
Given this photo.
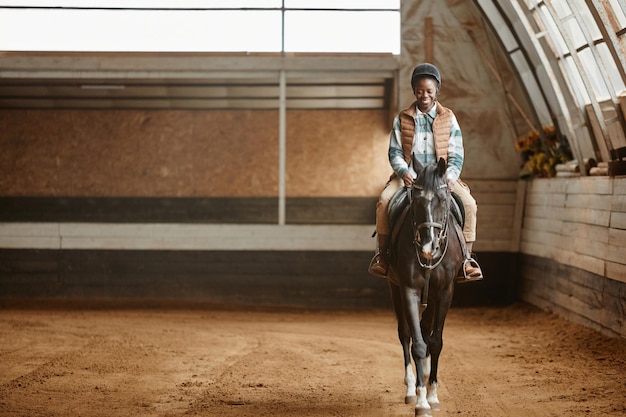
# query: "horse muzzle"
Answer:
x=429 y=250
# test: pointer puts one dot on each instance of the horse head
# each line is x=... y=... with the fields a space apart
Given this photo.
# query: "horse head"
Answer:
x=430 y=200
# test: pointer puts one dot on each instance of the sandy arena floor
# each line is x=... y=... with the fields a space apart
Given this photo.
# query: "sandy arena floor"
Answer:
x=510 y=362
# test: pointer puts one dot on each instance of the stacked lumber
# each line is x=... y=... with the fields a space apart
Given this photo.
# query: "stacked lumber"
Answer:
x=572 y=168
x=601 y=170
x=568 y=169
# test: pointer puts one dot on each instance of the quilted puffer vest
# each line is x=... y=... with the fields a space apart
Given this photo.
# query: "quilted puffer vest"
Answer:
x=441 y=130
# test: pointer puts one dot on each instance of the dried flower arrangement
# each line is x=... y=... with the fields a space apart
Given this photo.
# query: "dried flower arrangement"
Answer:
x=540 y=158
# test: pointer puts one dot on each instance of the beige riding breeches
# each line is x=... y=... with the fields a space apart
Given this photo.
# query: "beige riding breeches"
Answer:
x=460 y=188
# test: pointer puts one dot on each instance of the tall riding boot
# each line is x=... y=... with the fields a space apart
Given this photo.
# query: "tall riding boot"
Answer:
x=380 y=261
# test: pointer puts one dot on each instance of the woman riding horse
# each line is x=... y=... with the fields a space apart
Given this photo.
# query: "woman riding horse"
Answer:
x=429 y=131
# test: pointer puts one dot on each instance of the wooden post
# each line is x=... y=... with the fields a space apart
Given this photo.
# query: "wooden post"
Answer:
x=518 y=219
x=429 y=43
x=282 y=144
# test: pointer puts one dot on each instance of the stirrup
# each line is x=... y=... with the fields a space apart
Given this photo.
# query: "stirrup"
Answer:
x=475 y=275
x=376 y=266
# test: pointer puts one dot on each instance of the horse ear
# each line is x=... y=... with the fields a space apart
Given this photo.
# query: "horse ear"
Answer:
x=417 y=165
x=442 y=166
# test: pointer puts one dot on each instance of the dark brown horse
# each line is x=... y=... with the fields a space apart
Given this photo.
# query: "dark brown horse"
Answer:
x=426 y=255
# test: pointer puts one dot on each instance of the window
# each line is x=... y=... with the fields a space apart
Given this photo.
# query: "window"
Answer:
x=573 y=32
x=350 y=26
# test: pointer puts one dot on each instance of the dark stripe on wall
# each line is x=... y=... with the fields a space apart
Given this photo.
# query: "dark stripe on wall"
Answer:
x=310 y=279
x=138 y=210
x=302 y=279
x=261 y=210
x=339 y=210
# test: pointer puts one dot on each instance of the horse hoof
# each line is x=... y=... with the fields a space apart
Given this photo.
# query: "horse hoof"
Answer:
x=410 y=399
x=435 y=406
x=421 y=412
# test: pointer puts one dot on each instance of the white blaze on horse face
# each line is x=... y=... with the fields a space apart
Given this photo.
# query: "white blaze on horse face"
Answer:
x=427 y=250
x=428 y=247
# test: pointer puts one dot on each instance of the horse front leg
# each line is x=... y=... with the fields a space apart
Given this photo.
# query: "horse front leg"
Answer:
x=436 y=345
x=404 y=335
x=426 y=324
x=411 y=304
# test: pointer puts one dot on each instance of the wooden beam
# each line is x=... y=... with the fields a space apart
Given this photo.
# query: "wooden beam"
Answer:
x=163 y=66
x=429 y=43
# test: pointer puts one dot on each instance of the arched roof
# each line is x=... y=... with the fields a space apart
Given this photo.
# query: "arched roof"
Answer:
x=569 y=56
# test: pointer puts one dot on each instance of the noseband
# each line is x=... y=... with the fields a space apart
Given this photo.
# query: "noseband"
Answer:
x=439 y=239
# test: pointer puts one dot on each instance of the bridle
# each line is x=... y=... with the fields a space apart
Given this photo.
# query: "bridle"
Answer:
x=440 y=238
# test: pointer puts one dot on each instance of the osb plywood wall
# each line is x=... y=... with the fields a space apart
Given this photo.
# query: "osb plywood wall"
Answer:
x=190 y=153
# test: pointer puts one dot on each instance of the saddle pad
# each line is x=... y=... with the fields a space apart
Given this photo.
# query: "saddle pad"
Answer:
x=458 y=210
x=397 y=203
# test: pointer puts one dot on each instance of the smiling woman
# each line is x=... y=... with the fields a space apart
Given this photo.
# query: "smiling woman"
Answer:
x=201 y=26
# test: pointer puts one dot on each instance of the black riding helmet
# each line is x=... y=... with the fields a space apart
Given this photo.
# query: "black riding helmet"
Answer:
x=425 y=70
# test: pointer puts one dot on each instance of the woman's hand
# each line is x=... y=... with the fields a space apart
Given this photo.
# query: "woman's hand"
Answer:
x=451 y=185
x=408 y=179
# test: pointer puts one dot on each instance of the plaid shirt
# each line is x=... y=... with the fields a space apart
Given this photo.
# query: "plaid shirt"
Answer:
x=424 y=145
